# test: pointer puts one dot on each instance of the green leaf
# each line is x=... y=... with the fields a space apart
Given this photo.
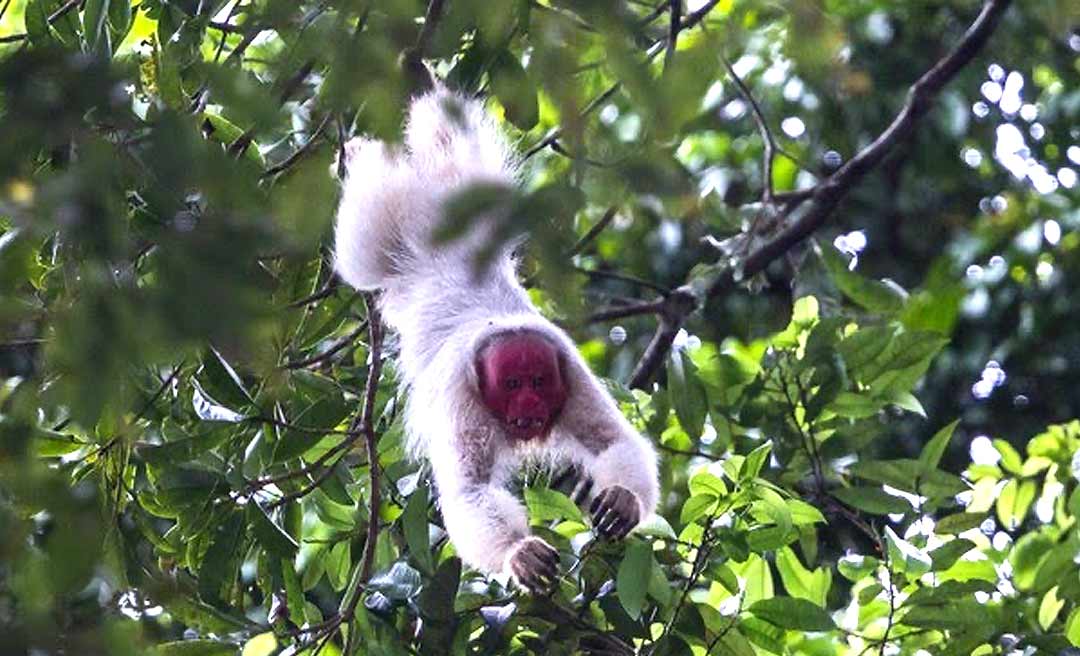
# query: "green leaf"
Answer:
x=436 y=603
x=687 y=394
x=856 y=567
x=547 y=505
x=194 y=648
x=414 y=524
x=947 y=554
x=801 y=582
x=764 y=634
x=51 y=444
x=399 y=583
x=264 y=644
x=515 y=91
x=935 y=448
x=793 y=614
x=64 y=31
x=959 y=522
x=856 y=405
x=95 y=25
x=1072 y=627
x=696 y=507
x=872 y=295
x=220 y=564
x=907 y=401
x=1049 y=608
x=804 y=514
x=339 y=564
x=908 y=475
x=958 y=616
x=1010 y=458
x=221 y=381
x=873 y=500
x=774 y=507
x=1014 y=501
x=270 y=536
x=755 y=461
x=705 y=482
x=906 y=557
x=656 y=526
x=632 y=581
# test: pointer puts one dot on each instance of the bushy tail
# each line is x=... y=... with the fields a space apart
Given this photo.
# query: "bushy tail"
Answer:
x=392 y=196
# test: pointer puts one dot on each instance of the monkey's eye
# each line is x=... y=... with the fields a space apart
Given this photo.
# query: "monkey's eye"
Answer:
x=537 y=382
x=512 y=383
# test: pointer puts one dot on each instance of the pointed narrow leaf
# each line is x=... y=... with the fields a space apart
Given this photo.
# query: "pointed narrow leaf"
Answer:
x=793 y=614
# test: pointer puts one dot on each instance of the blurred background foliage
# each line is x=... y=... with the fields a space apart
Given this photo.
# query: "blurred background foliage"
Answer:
x=867 y=445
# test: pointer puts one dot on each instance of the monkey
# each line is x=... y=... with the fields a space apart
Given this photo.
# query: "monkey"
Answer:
x=491 y=384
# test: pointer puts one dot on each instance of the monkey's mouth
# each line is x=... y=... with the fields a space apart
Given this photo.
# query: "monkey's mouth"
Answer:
x=526 y=428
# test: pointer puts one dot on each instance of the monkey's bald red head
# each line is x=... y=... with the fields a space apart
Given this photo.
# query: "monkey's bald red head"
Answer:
x=521 y=383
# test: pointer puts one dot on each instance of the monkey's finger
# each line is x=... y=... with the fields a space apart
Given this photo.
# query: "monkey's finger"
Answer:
x=531 y=582
x=623 y=528
x=611 y=520
x=537 y=565
x=581 y=492
x=537 y=583
x=602 y=517
x=598 y=502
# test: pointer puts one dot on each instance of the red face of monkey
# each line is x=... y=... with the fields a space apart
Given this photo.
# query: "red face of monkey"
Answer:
x=521 y=383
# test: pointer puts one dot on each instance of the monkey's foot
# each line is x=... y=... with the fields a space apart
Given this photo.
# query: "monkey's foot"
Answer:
x=615 y=511
x=534 y=564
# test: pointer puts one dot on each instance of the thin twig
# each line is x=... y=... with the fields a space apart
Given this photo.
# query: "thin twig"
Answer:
x=328 y=290
x=769 y=143
x=622 y=277
x=624 y=311
x=427 y=33
x=328 y=353
x=594 y=231
x=299 y=153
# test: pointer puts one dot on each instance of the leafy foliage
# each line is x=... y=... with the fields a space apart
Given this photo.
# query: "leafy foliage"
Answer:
x=199 y=453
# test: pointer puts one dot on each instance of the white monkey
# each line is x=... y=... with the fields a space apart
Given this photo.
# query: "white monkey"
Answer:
x=490 y=382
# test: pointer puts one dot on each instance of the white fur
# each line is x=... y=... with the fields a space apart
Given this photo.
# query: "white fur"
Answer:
x=442 y=309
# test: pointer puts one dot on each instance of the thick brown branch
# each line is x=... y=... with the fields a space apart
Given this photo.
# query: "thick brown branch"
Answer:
x=675 y=308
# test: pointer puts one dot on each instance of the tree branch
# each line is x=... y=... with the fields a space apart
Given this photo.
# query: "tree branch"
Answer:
x=676 y=307
x=824 y=197
x=299 y=153
x=828 y=193
x=328 y=353
x=674 y=27
x=594 y=231
x=769 y=143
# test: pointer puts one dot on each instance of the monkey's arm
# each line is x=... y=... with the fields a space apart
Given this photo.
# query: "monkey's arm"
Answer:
x=620 y=461
x=488 y=525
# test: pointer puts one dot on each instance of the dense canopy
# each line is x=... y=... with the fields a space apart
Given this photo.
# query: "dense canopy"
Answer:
x=825 y=252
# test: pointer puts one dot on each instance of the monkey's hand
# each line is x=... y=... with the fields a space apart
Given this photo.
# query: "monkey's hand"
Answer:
x=615 y=511
x=534 y=564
